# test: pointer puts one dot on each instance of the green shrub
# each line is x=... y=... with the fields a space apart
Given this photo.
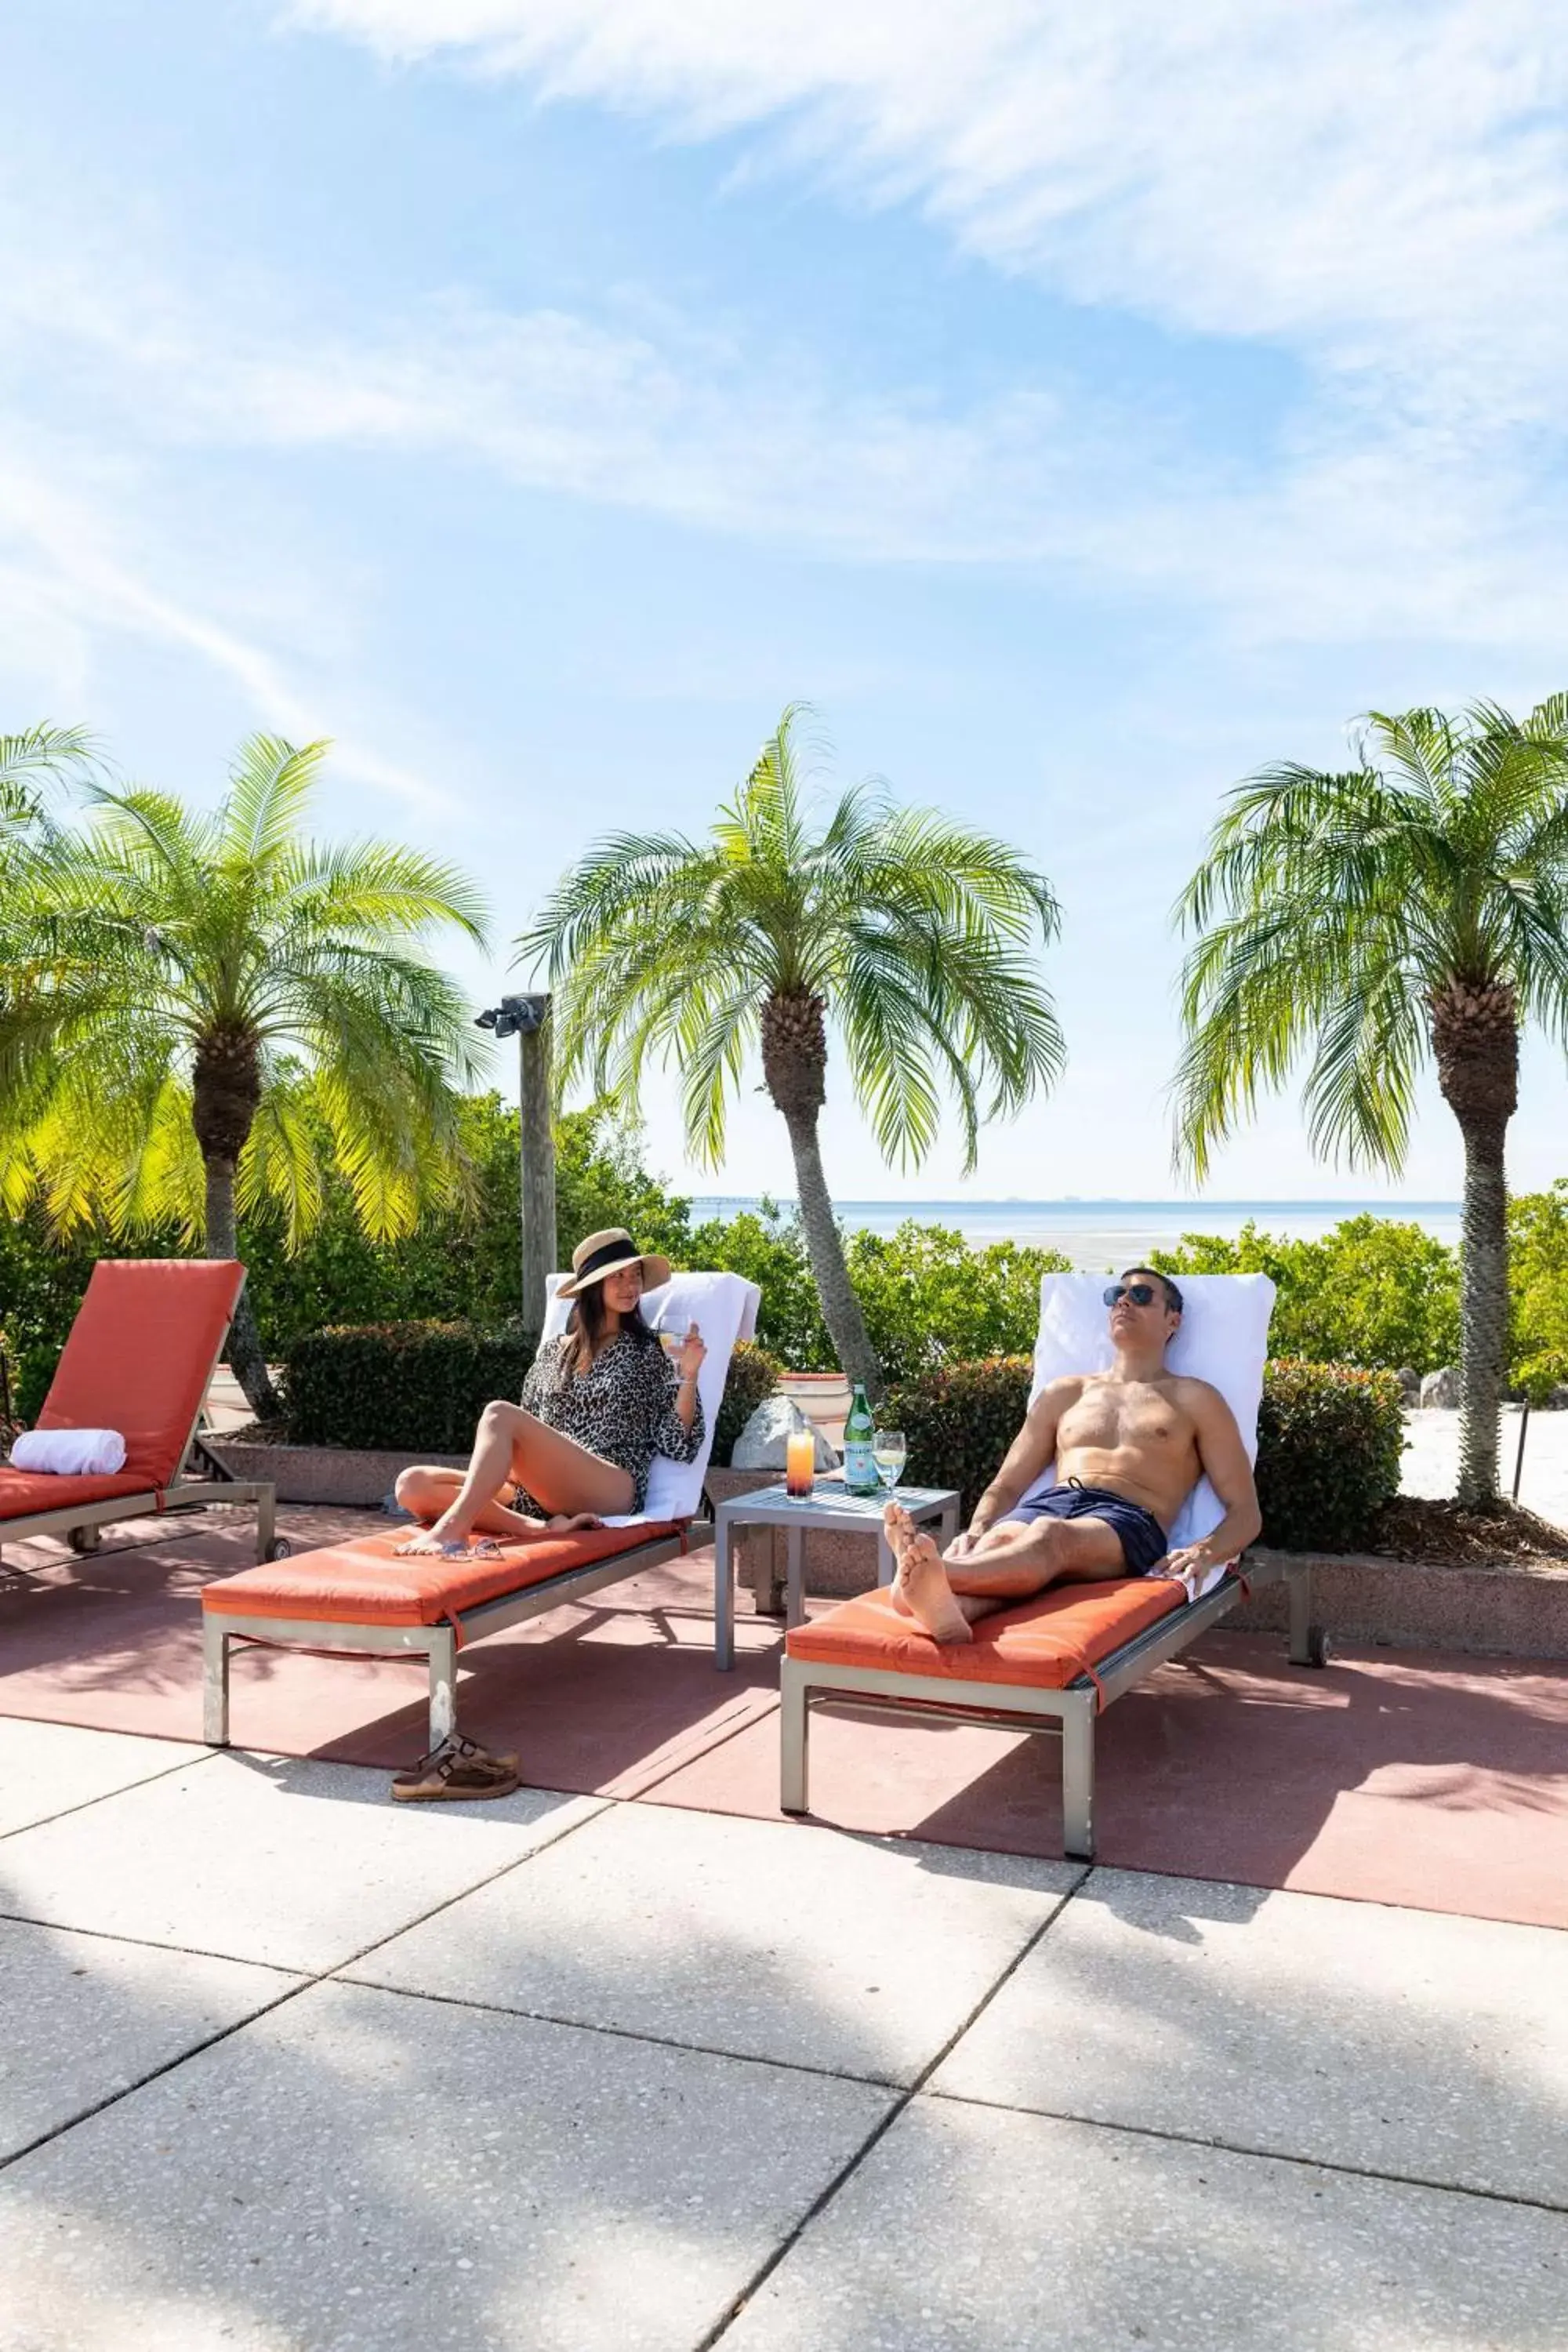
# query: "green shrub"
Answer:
x=960 y=1422
x=754 y=1378
x=1374 y=1291
x=1538 y=1280
x=421 y=1387
x=1330 y=1438
x=410 y=1387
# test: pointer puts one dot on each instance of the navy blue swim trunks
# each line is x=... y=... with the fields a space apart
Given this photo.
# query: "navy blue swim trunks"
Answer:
x=1144 y=1540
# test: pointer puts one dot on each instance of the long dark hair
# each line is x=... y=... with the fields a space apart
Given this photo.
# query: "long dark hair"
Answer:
x=588 y=1321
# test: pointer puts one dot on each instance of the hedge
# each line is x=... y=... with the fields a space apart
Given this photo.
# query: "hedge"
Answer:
x=421 y=1387
x=408 y=1387
x=1329 y=1439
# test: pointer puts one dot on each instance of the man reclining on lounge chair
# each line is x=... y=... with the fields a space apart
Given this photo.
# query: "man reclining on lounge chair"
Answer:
x=1130 y=1445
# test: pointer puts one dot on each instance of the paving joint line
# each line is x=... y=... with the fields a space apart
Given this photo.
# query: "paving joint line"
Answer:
x=625 y=2034
x=1218 y=2147
x=878 y=2132
x=106 y=1795
x=305 y=1981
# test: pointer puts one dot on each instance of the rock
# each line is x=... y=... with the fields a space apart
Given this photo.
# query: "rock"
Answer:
x=1441 y=1389
x=760 y=1445
x=1409 y=1379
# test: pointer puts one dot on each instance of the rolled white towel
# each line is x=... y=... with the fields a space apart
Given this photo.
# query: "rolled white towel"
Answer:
x=71 y=1453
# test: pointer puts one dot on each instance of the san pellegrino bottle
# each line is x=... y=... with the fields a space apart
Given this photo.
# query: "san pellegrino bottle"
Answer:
x=859 y=1461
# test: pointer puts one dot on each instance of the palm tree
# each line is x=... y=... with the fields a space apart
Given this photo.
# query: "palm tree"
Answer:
x=30 y=763
x=910 y=934
x=1417 y=904
x=198 y=1007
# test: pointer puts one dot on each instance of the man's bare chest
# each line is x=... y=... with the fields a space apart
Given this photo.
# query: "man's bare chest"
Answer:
x=1116 y=1416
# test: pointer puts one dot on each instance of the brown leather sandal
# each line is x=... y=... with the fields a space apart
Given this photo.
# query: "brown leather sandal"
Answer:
x=457 y=1771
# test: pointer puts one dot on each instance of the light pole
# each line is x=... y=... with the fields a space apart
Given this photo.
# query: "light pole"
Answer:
x=527 y=1018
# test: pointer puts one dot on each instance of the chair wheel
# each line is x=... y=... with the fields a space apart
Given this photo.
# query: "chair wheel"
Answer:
x=1320 y=1648
x=84 y=1539
x=281 y=1549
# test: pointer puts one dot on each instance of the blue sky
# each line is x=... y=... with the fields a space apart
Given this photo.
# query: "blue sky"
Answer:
x=1077 y=407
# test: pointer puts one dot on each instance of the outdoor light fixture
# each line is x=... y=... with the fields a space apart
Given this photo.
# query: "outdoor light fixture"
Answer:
x=514 y=1016
x=526 y=1018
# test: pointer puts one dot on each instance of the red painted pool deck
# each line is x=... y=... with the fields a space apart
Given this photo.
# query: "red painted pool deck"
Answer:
x=1393 y=1777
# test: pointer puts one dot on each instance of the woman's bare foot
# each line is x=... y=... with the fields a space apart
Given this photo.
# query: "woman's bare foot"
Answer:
x=920 y=1585
x=445 y=1540
x=572 y=1523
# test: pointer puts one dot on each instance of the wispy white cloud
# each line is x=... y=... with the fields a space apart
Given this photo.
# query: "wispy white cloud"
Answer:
x=1384 y=182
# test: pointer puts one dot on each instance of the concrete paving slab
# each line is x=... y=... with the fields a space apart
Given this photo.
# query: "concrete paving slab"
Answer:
x=1403 y=2042
x=856 y=1955
x=975 y=2231
x=295 y=1864
x=87 y=2017
x=359 y=2170
x=52 y=1767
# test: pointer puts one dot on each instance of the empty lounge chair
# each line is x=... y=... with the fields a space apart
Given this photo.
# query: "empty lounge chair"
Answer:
x=140 y=1355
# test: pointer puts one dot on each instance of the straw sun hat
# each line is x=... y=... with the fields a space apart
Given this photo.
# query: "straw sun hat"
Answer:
x=608 y=1252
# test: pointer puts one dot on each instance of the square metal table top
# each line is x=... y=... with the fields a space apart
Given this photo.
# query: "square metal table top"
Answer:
x=828 y=1506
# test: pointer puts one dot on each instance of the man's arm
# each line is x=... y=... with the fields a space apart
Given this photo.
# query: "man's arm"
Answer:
x=1034 y=1448
x=1229 y=1473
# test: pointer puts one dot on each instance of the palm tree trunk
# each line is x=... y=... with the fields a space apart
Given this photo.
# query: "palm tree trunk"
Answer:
x=246 y=1361
x=841 y=1308
x=1484 y=1306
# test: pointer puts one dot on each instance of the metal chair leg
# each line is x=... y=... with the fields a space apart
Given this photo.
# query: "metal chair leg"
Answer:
x=795 y=1733
x=214 y=1684
x=443 y=1684
x=1077 y=1777
x=1300 y=1583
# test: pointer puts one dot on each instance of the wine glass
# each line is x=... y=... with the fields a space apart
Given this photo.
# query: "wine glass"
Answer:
x=889 y=1451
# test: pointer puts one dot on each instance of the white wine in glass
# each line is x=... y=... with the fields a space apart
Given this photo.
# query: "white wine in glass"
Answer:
x=889 y=1451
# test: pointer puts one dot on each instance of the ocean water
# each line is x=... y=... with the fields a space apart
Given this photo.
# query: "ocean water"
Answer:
x=1098 y=1233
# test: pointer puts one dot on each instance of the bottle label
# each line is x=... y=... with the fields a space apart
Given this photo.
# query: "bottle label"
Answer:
x=859 y=1467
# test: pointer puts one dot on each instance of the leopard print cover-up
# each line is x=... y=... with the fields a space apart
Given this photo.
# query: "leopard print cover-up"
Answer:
x=622 y=1408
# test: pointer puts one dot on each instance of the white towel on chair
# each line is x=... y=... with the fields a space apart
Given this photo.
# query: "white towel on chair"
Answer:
x=71 y=1453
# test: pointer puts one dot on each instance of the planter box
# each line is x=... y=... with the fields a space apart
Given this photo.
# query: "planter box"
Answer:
x=1504 y=1611
x=353 y=1477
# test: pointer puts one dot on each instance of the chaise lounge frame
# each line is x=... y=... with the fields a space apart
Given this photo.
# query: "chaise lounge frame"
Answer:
x=1069 y=1714
x=438 y=1644
x=82 y=1523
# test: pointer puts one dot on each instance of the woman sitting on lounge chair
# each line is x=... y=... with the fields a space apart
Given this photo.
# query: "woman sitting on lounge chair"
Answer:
x=597 y=1406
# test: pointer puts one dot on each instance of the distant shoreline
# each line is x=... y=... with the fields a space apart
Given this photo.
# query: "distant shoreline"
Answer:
x=1096 y=1234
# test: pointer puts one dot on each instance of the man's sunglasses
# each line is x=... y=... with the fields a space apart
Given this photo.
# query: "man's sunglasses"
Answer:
x=1141 y=1294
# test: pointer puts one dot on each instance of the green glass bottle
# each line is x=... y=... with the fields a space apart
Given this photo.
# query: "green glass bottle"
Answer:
x=860 y=1460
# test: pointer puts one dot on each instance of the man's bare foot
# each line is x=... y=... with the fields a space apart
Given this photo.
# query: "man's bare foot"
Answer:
x=920 y=1585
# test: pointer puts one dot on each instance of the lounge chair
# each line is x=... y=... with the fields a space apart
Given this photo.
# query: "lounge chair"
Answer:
x=360 y=1596
x=1053 y=1664
x=140 y=1355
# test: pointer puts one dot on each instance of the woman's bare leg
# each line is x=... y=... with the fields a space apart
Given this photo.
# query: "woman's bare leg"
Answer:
x=427 y=1492
x=512 y=1446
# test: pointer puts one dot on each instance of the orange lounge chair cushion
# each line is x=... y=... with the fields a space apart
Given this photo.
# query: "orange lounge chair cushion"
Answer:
x=362 y=1584
x=139 y=1355
x=1045 y=1643
x=23 y=1492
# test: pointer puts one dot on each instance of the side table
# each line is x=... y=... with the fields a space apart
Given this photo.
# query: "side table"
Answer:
x=825 y=1507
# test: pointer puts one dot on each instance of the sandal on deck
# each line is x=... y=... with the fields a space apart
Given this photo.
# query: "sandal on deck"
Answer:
x=458 y=1770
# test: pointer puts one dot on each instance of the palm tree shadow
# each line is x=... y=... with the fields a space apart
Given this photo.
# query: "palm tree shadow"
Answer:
x=1230 y=1764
